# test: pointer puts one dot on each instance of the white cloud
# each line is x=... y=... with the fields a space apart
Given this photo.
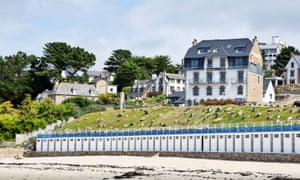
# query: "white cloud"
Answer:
x=145 y=27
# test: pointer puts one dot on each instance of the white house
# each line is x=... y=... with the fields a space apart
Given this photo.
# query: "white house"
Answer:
x=164 y=83
x=269 y=92
x=292 y=70
x=271 y=50
x=223 y=69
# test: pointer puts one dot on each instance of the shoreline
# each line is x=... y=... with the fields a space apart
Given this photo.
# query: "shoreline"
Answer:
x=119 y=167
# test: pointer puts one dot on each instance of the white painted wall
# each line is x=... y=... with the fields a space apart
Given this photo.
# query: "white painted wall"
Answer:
x=221 y=143
x=266 y=142
x=51 y=145
x=184 y=143
x=171 y=143
x=287 y=142
x=71 y=145
x=242 y=142
x=269 y=95
x=64 y=145
x=93 y=144
x=247 y=142
x=256 y=143
x=230 y=87
x=229 y=143
x=238 y=143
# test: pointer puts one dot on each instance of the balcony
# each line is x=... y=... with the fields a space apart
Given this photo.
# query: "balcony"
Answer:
x=227 y=81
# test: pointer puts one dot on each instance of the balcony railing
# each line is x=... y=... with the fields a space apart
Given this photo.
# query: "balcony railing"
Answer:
x=204 y=82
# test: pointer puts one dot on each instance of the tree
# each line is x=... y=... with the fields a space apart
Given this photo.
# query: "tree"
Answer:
x=62 y=57
x=14 y=77
x=163 y=63
x=126 y=74
x=117 y=58
x=283 y=58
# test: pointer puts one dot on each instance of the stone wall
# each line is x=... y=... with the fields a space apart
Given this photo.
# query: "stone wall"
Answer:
x=11 y=152
x=266 y=157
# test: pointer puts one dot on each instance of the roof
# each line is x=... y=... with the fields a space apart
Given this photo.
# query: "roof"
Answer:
x=175 y=76
x=75 y=89
x=296 y=58
x=266 y=85
x=221 y=47
x=93 y=73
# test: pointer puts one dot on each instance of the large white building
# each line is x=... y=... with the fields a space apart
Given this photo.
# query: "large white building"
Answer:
x=271 y=50
x=223 y=69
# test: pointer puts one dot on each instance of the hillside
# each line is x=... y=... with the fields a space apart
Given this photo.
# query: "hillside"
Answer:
x=184 y=116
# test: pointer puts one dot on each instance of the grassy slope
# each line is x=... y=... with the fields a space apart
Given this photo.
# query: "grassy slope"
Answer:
x=182 y=116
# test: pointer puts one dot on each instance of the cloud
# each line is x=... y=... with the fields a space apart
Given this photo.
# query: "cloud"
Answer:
x=146 y=28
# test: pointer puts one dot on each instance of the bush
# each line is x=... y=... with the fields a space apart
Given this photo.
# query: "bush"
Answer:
x=219 y=102
x=79 y=101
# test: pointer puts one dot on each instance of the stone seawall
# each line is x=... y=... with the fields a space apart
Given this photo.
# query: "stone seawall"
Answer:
x=266 y=157
x=11 y=152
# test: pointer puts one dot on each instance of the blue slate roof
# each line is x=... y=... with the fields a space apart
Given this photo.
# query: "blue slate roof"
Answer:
x=221 y=47
x=266 y=84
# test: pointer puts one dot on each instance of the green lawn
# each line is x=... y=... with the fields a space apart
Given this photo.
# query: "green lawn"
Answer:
x=215 y=116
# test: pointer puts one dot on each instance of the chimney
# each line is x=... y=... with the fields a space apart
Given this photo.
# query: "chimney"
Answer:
x=194 y=42
x=275 y=39
x=255 y=41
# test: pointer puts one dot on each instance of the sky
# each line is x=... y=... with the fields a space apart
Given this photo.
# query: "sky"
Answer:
x=145 y=27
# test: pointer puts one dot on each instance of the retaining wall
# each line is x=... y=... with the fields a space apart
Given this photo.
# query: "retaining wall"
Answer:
x=266 y=157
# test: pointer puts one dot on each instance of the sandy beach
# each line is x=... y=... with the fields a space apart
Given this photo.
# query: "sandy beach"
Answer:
x=125 y=167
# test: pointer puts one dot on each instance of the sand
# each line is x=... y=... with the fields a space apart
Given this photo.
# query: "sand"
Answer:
x=124 y=167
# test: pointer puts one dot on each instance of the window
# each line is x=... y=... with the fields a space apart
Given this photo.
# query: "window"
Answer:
x=178 y=81
x=240 y=76
x=222 y=90
x=222 y=62
x=292 y=73
x=239 y=49
x=196 y=77
x=258 y=79
x=222 y=77
x=203 y=50
x=172 y=89
x=292 y=64
x=240 y=90
x=209 y=77
x=196 y=91
x=208 y=91
x=209 y=63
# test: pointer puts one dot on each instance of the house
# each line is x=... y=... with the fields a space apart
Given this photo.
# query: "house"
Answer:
x=292 y=70
x=271 y=50
x=63 y=91
x=168 y=83
x=223 y=69
x=140 y=89
x=164 y=83
x=176 y=98
x=268 y=92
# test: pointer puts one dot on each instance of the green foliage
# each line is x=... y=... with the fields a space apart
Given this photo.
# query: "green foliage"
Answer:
x=79 y=101
x=60 y=56
x=283 y=58
x=30 y=116
x=156 y=99
x=117 y=58
x=108 y=98
x=127 y=73
x=126 y=89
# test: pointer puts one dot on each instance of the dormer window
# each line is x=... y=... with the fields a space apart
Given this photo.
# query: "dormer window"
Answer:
x=203 y=50
x=216 y=50
x=239 y=49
